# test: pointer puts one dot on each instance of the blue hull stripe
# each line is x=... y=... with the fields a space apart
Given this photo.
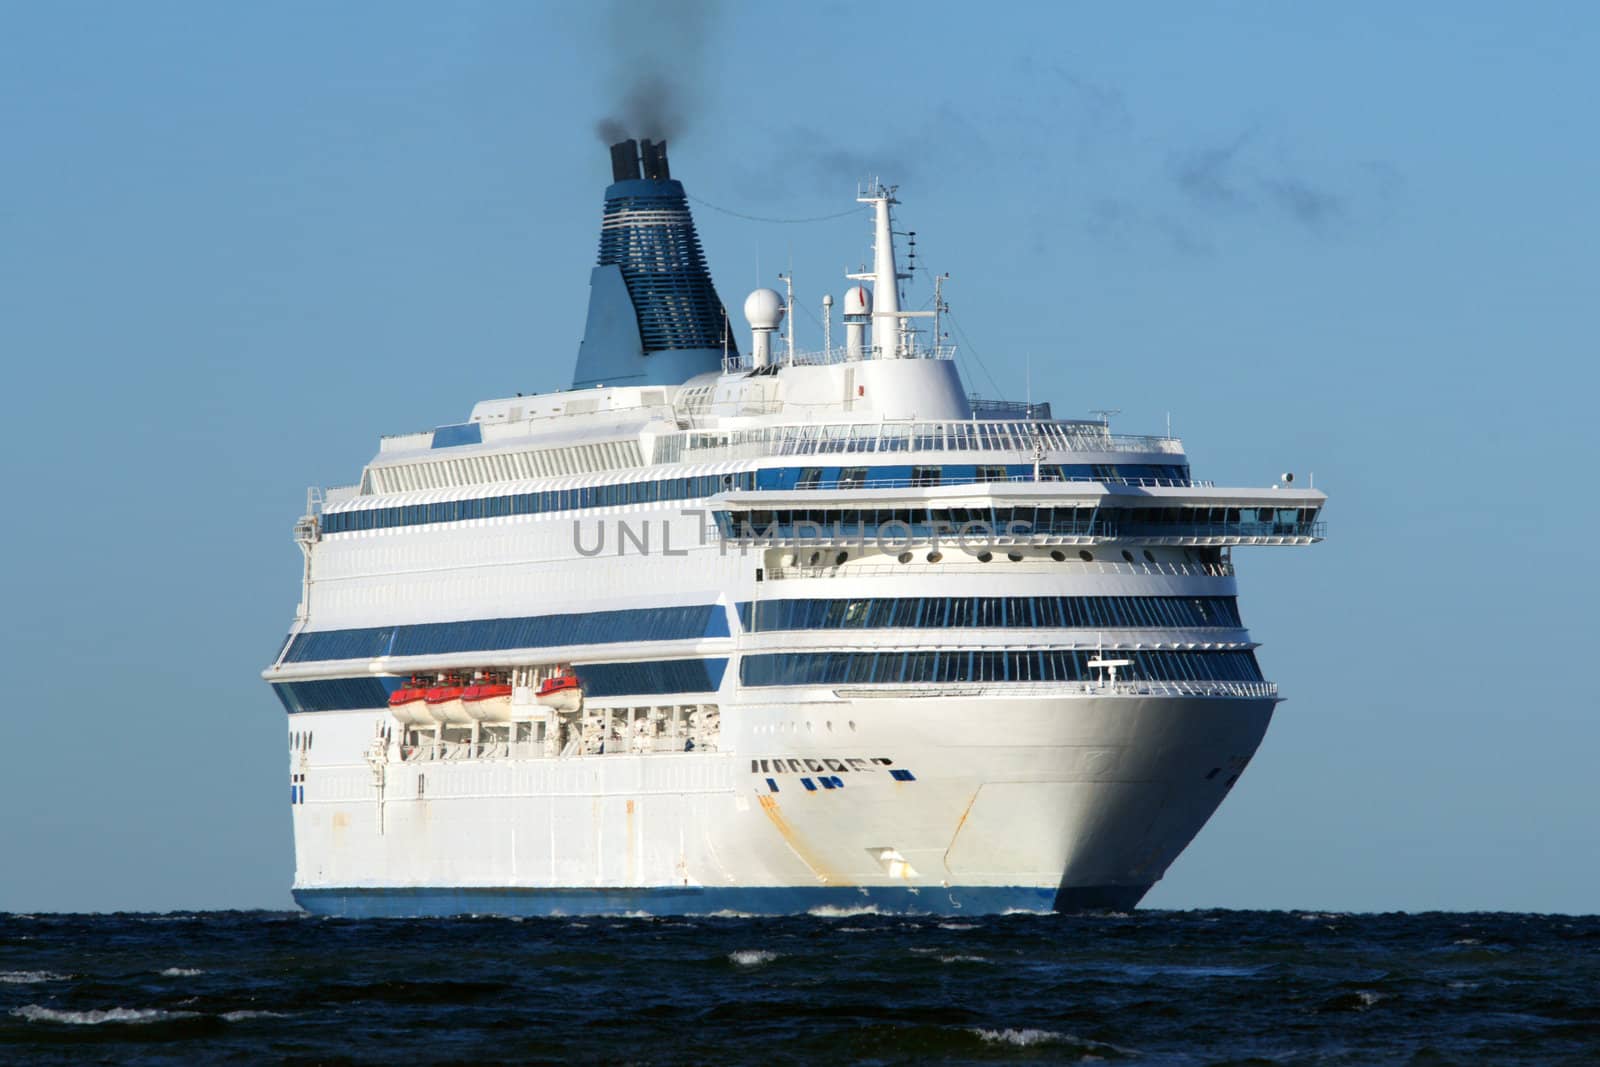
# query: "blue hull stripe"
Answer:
x=782 y=900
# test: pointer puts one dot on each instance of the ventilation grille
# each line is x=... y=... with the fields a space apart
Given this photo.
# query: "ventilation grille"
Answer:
x=503 y=467
x=653 y=240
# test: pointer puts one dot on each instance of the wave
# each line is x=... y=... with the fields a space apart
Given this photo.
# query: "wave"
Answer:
x=242 y=1016
x=36 y=1013
x=181 y=972
x=751 y=957
x=31 y=977
x=1029 y=1037
x=1021 y=1038
x=963 y=959
x=958 y=926
x=830 y=911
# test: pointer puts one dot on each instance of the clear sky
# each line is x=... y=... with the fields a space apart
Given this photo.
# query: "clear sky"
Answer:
x=240 y=242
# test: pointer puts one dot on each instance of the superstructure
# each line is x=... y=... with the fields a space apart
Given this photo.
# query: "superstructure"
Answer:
x=732 y=626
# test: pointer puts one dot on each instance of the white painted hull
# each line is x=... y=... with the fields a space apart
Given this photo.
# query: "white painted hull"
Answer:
x=1037 y=792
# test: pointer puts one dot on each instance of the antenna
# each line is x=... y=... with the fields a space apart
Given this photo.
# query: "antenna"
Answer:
x=788 y=306
x=1105 y=415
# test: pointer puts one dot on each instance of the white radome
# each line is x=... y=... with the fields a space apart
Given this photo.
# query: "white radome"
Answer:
x=857 y=300
x=763 y=309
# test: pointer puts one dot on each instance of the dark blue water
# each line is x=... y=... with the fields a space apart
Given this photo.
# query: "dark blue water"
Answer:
x=1152 y=987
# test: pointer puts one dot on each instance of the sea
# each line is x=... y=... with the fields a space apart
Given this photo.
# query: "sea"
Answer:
x=1150 y=987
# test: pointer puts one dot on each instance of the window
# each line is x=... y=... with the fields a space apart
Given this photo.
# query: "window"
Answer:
x=1046 y=612
x=988 y=665
x=924 y=476
x=852 y=477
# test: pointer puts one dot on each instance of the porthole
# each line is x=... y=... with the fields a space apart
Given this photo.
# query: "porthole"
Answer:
x=838 y=561
x=1085 y=555
x=816 y=558
x=1127 y=555
x=935 y=557
x=904 y=557
x=1149 y=556
x=985 y=557
x=1014 y=557
x=1057 y=555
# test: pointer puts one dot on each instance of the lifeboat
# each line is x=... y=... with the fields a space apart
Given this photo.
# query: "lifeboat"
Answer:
x=487 y=702
x=561 y=692
x=444 y=704
x=409 y=705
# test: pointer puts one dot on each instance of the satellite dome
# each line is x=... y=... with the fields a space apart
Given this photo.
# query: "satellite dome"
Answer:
x=857 y=300
x=763 y=309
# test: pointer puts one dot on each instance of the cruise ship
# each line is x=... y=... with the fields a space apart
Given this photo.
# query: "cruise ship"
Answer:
x=729 y=626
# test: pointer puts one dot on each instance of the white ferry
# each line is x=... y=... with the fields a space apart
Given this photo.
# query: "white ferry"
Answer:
x=765 y=631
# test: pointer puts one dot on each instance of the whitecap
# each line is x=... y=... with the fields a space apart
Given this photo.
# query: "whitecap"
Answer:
x=1029 y=1036
x=728 y=914
x=963 y=959
x=751 y=957
x=36 y=1013
x=31 y=977
x=1022 y=1038
x=1368 y=998
x=181 y=972
x=829 y=911
x=1031 y=911
x=1466 y=941
x=241 y=1016
x=958 y=926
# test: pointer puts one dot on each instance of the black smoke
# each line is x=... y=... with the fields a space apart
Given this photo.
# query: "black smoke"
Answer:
x=657 y=58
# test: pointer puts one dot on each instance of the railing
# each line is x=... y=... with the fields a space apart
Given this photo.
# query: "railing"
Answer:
x=982 y=532
x=837 y=354
x=873 y=570
x=1250 y=690
x=873 y=482
x=450 y=751
x=868 y=438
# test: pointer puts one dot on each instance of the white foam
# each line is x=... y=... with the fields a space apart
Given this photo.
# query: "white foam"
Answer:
x=35 y=1013
x=181 y=972
x=727 y=914
x=1030 y=911
x=751 y=957
x=963 y=959
x=241 y=1016
x=1368 y=998
x=829 y=911
x=1466 y=941
x=958 y=926
x=1021 y=1038
x=30 y=977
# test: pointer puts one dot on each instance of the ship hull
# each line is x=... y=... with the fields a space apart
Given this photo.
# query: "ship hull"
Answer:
x=942 y=804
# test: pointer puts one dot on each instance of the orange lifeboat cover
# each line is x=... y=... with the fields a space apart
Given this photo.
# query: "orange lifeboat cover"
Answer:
x=557 y=684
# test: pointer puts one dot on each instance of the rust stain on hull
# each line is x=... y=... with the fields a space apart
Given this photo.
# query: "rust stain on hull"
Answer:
x=959 y=824
x=797 y=845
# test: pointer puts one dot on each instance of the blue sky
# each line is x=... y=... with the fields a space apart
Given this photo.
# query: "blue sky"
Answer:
x=237 y=244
